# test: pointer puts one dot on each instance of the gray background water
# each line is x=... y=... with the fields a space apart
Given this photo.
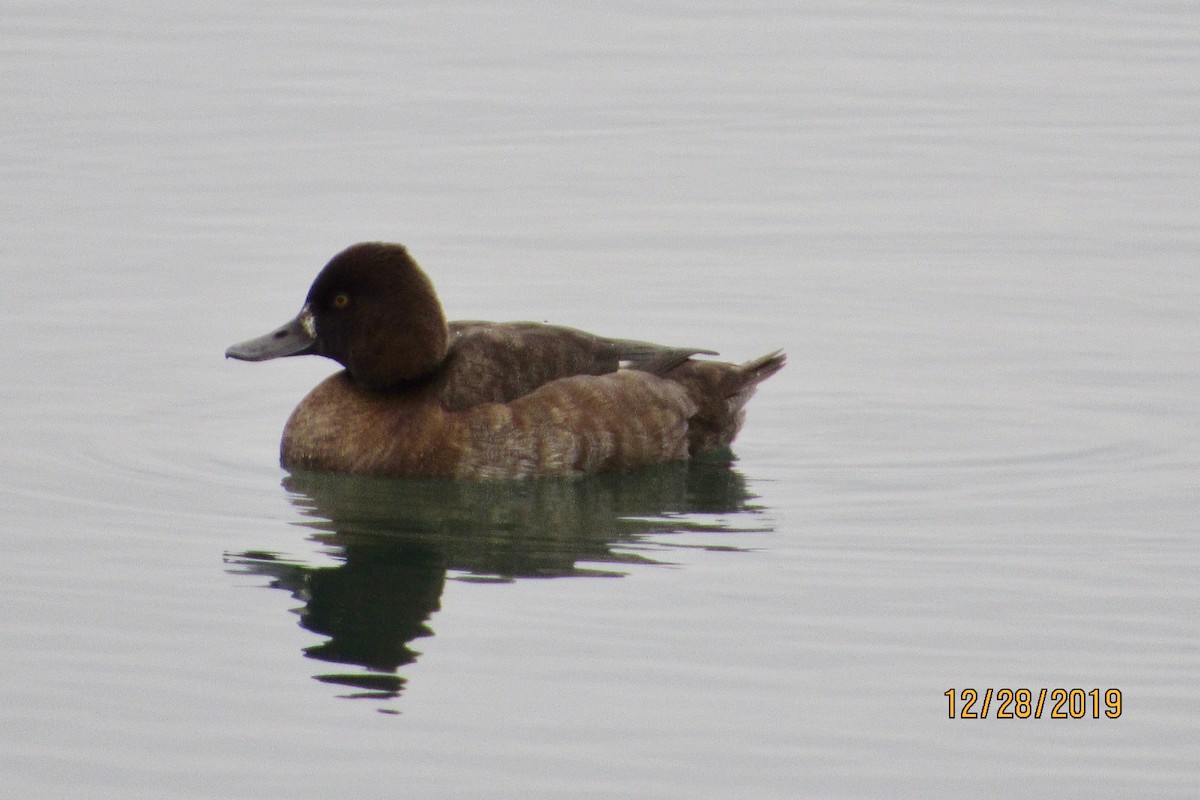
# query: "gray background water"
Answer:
x=972 y=226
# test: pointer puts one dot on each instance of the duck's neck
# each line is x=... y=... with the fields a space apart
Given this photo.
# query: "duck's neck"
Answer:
x=413 y=349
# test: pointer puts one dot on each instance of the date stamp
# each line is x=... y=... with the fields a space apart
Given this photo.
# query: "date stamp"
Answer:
x=1026 y=703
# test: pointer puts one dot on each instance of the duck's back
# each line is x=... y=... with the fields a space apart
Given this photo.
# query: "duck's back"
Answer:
x=490 y=362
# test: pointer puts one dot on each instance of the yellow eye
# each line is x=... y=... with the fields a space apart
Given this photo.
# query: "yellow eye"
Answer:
x=341 y=300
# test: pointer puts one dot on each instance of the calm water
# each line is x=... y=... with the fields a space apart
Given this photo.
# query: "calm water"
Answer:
x=974 y=227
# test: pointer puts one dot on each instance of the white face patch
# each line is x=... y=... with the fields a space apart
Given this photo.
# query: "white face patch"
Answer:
x=308 y=321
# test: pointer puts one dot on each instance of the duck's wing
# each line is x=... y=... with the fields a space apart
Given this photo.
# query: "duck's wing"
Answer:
x=492 y=362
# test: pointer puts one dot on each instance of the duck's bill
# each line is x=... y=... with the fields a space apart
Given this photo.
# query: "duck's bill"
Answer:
x=294 y=338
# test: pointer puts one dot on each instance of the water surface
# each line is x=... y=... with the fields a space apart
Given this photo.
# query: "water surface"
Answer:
x=973 y=227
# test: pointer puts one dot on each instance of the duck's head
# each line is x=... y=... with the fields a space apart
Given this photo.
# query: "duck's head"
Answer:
x=372 y=310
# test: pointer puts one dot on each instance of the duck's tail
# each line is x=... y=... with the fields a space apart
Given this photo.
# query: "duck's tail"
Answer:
x=721 y=391
x=759 y=369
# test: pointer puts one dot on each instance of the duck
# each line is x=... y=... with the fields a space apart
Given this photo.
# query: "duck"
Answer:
x=420 y=397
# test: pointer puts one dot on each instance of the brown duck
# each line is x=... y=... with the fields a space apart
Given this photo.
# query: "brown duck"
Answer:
x=421 y=398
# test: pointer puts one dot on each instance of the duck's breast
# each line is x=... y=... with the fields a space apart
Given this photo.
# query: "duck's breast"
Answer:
x=341 y=427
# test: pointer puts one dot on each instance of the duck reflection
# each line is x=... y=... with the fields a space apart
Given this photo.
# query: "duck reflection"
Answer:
x=393 y=543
